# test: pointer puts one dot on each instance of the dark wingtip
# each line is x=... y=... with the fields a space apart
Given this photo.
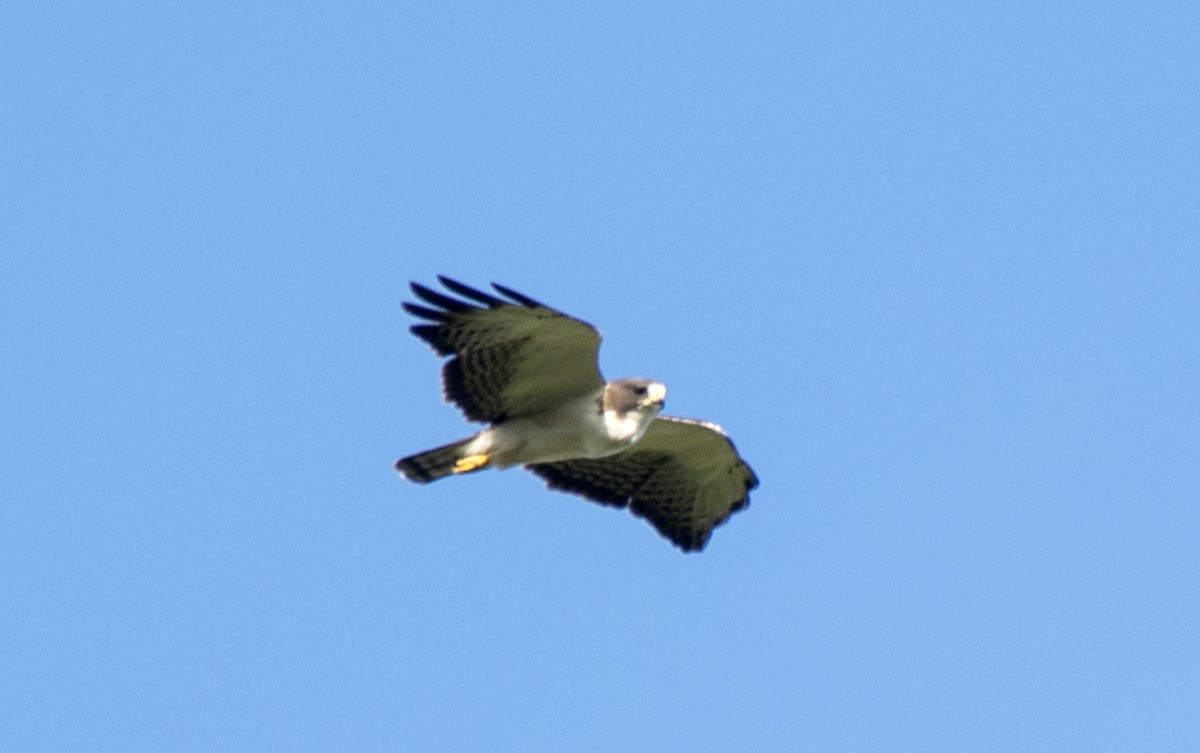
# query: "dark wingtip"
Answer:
x=467 y=291
x=752 y=482
x=452 y=305
x=519 y=298
x=432 y=336
x=422 y=312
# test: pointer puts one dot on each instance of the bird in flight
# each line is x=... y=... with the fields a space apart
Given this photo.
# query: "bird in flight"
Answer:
x=530 y=373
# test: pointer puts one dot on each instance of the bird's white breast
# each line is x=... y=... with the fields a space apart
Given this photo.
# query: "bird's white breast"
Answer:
x=626 y=428
x=576 y=430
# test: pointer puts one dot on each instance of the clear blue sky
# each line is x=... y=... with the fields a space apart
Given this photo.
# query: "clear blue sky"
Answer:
x=935 y=267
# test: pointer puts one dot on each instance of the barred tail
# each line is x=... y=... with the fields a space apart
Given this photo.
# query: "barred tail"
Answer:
x=436 y=463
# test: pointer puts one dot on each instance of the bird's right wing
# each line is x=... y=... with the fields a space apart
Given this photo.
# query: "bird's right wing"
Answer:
x=684 y=476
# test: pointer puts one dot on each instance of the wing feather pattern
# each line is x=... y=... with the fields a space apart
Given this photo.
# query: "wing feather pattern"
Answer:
x=510 y=358
x=684 y=476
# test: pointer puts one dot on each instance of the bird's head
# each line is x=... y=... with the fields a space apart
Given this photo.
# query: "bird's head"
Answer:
x=642 y=395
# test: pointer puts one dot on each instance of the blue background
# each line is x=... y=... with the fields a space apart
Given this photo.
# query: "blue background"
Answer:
x=933 y=265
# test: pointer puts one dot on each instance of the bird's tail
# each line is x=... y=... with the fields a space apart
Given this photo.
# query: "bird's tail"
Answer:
x=440 y=462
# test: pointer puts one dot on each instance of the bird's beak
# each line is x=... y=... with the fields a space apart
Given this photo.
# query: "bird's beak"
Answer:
x=656 y=394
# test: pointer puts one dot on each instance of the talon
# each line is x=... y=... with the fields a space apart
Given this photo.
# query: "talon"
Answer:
x=470 y=463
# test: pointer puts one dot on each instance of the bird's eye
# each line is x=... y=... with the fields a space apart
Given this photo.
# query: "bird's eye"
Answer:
x=639 y=390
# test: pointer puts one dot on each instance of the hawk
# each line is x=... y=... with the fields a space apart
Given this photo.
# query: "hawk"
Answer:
x=530 y=372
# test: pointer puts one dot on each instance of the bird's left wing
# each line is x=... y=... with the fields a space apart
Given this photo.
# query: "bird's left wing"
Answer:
x=683 y=476
x=512 y=356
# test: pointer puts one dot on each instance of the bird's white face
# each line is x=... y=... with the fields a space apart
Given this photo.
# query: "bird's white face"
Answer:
x=630 y=406
x=653 y=402
x=640 y=395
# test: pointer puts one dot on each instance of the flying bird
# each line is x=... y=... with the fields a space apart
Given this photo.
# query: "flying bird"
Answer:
x=530 y=372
